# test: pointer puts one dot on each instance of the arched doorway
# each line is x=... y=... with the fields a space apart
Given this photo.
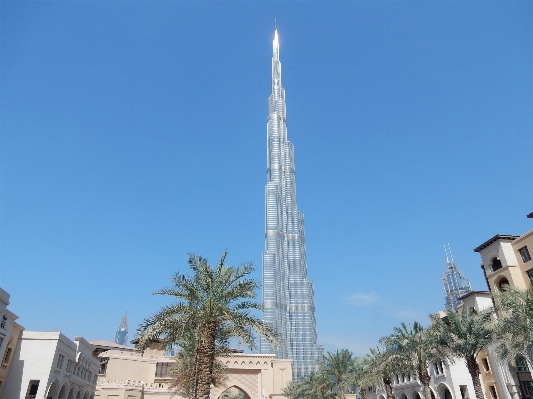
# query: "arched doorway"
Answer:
x=234 y=392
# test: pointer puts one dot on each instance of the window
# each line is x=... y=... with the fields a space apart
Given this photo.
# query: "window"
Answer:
x=439 y=368
x=530 y=275
x=496 y=264
x=464 y=391
x=493 y=393
x=527 y=389
x=33 y=387
x=103 y=365
x=524 y=253
x=7 y=355
x=521 y=364
x=3 y=322
x=59 y=364
x=162 y=369
x=503 y=284
x=485 y=362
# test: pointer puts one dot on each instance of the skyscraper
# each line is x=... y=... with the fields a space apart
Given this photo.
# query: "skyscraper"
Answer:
x=121 y=337
x=455 y=284
x=288 y=296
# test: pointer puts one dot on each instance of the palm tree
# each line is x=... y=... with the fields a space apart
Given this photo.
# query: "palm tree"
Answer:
x=413 y=349
x=515 y=326
x=317 y=385
x=361 y=377
x=379 y=369
x=464 y=334
x=213 y=305
x=337 y=366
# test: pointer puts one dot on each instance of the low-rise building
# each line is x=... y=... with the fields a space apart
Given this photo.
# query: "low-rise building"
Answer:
x=128 y=374
x=51 y=366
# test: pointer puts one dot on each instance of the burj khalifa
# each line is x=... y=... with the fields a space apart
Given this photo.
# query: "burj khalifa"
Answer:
x=288 y=295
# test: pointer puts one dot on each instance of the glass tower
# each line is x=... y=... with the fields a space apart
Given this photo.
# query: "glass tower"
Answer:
x=121 y=337
x=288 y=296
x=455 y=284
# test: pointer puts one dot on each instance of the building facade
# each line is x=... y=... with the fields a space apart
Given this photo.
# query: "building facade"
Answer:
x=49 y=365
x=10 y=332
x=288 y=295
x=128 y=374
x=506 y=261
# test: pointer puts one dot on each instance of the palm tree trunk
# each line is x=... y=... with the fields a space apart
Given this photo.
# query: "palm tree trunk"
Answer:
x=205 y=362
x=362 y=392
x=425 y=379
x=473 y=369
x=388 y=386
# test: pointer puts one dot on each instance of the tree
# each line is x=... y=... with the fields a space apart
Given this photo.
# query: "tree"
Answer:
x=361 y=376
x=379 y=369
x=317 y=385
x=413 y=349
x=338 y=366
x=464 y=334
x=212 y=306
x=515 y=326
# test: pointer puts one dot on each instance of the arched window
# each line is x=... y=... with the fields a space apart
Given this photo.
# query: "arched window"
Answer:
x=503 y=284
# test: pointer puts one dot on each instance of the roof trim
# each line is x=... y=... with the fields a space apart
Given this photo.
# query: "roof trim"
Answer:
x=473 y=293
x=497 y=237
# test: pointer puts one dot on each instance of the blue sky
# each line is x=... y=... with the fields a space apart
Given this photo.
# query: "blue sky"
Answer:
x=133 y=133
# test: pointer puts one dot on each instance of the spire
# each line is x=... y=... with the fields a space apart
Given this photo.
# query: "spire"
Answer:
x=275 y=45
x=121 y=337
x=455 y=284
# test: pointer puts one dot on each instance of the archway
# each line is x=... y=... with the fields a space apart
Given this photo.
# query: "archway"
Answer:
x=63 y=392
x=72 y=393
x=234 y=392
x=415 y=395
x=52 y=390
x=503 y=284
x=444 y=392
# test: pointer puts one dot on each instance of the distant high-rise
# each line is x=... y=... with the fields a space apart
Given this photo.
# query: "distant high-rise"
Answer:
x=288 y=296
x=122 y=332
x=455 y=284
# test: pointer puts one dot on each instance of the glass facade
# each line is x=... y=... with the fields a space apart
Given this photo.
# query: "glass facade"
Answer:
x=288 y=296
x=455 y=284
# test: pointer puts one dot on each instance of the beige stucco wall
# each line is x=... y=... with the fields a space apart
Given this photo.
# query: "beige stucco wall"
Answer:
x=131 y=375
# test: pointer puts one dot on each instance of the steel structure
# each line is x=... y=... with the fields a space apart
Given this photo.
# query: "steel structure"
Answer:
x=455 y=284
x=288 y=296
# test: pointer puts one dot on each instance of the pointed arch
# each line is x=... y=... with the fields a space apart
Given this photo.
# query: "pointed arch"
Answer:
x=234 y=392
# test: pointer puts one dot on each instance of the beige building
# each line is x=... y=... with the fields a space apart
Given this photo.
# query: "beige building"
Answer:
x=506 y=260
x=126 y=374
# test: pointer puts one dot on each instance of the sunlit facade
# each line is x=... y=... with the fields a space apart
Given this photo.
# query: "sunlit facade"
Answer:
x=288 y=295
